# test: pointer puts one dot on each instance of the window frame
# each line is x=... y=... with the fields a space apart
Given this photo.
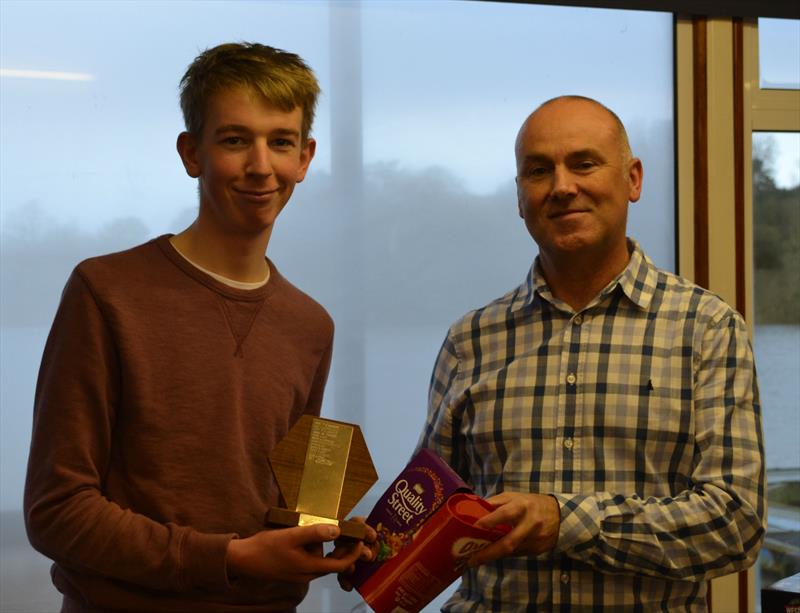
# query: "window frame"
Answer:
x=719 y=104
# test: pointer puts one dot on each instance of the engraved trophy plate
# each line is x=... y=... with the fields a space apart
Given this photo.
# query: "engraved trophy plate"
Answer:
x=323 y=468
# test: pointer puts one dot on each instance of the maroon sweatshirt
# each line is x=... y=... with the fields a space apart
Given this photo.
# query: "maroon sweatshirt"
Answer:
x=160 y=395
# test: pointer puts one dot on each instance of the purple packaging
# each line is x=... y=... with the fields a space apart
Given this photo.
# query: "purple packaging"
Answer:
x=423 y=485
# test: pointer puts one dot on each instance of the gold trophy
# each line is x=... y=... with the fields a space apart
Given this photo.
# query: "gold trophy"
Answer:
x=323 y=468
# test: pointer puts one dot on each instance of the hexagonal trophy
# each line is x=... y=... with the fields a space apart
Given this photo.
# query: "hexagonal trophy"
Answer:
x=323 y=468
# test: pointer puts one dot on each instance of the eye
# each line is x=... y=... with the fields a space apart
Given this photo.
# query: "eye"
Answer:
x=585 y=165
x=283 y=143
x=536 y=172
x=233 y=141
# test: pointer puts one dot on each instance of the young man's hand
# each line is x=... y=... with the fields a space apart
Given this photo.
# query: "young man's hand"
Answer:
x=344 y=548
x=534 y=520
x=289 y=554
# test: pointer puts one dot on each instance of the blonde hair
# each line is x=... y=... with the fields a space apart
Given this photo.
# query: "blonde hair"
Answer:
x=282 y=78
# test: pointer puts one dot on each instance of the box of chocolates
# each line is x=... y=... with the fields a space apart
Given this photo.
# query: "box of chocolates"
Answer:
x=425 y=525
x=434 y=559
x=421 y=488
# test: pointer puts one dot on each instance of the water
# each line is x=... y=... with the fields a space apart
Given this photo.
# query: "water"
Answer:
x=777 y=352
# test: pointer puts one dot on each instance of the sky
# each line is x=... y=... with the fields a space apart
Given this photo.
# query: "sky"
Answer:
x=779 y=62
x=436 y=91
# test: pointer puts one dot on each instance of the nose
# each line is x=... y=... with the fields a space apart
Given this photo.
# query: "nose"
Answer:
x=259 y=161
x=564 y=185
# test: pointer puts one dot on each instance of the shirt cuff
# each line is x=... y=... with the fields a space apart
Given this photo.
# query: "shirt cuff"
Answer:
x=580 y=523
x=203 y=560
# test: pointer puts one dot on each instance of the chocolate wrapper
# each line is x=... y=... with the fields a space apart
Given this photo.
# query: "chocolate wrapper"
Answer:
x=421 y=488
x=434 y=559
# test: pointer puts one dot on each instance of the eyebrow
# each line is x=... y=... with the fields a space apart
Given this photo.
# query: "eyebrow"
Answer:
x=286 y=132
x=572 y=155
x=585 y=153
x=535 y=157
x=233 y=127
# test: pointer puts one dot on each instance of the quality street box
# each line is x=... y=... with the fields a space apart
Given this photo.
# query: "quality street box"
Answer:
x=425 y=526
x=434 y=559
x=421 y=488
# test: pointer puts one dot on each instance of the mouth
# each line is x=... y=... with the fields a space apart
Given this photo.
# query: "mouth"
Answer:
x=256 y=195
x=567 y=213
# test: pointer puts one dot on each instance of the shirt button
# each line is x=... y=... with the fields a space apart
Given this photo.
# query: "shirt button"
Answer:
x=578 y=320
x=568 y=443
x=571 y=378
x=564 y=578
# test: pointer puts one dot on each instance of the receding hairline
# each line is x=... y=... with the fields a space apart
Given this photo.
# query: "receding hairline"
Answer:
x=622 y=133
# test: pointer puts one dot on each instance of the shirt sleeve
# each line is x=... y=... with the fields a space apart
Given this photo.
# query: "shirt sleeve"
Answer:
x=716 y=526
x=67 y=516
x=438 y=434
x=314 y=403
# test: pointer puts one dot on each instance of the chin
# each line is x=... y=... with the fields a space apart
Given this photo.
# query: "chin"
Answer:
x=254 y=228
x=572 y=243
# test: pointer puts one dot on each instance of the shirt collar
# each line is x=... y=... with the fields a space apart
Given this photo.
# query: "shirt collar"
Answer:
x=637 y=281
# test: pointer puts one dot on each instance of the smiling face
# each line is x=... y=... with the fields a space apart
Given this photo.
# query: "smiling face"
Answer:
x=575 y=178
x=248 y=159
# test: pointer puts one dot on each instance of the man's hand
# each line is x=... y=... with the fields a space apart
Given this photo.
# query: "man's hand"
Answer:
x=288 y=554
x=534 y=518
x=344 y=549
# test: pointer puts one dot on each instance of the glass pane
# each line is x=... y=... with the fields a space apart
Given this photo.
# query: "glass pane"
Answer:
x=406 y=220
x=779 y=53
x=439 y=140
x=776 y=228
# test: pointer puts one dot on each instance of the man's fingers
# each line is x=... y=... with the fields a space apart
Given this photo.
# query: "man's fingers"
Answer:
x=366 y=554
x=345 y=548
x=503 y=514
x=506 y=546
x=487 y=554
x=489 y=521
x=344 y=582
x=498 y=499
x=317 y=533
x=331 y=564
x=341 y=551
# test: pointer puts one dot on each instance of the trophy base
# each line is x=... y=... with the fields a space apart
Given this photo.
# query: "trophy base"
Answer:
x=350 y=529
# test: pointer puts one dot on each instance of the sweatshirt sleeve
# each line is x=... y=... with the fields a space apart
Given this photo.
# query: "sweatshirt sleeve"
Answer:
x=67 y=515
x=314 y=403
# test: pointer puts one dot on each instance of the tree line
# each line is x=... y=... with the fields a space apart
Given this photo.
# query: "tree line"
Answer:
x=776 y=230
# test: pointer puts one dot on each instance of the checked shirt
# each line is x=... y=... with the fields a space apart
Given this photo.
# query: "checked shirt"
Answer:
x=640 y=414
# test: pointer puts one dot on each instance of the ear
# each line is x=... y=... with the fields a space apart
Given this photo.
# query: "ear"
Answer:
x=635 y=177
x=187 y=149
x=519 y=199
x=306 y=155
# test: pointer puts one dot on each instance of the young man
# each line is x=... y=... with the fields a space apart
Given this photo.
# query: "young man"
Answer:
x=172 y=369
x=609 y=409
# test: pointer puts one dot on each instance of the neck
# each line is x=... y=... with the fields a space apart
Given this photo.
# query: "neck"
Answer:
x=240 y=258
x=576 y=278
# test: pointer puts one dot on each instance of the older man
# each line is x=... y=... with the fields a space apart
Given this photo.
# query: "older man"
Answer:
x=609 y=409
